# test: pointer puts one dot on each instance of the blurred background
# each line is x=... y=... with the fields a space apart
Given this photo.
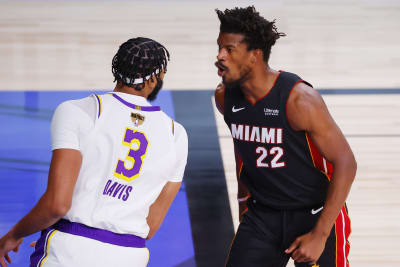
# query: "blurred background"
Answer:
x=52 y=51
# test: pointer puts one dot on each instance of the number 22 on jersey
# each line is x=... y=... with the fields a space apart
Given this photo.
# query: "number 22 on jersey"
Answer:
x=276 y=151
x=137 y=143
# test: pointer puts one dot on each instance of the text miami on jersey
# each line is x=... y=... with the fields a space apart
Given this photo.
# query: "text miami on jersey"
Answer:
x=262 y=135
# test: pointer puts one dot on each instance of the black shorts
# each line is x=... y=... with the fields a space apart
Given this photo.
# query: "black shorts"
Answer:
x=264 y=234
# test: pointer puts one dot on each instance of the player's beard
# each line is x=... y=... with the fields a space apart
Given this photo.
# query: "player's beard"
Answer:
x=152 y=96
x=236 y=84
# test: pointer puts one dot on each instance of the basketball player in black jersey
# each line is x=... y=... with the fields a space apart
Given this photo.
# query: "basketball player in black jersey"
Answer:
x=295 y=167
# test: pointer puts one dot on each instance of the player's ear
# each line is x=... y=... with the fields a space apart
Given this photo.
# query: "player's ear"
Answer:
x=253 y=56
x=257 y=55
x=152 y=82
x=162 y=74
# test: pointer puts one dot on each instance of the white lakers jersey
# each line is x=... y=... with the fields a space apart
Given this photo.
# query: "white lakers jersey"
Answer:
x=130 y=150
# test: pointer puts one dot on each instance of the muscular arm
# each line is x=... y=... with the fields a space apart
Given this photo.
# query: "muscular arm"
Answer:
x=160 y=207
x=55 y=202
x=307 y=111
x=242 y=190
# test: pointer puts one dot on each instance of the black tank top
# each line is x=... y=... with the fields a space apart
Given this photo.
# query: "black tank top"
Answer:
x=280 y=167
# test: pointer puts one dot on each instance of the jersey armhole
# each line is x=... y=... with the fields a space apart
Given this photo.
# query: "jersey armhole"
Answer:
x=99 y=106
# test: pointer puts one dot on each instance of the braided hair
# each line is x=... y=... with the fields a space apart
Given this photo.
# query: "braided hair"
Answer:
x=258 y=32
x=137 y=60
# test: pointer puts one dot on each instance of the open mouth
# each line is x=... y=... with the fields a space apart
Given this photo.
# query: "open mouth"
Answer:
x=221 y=69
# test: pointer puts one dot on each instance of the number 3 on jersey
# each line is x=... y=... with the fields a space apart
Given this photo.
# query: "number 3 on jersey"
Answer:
x=135 y=155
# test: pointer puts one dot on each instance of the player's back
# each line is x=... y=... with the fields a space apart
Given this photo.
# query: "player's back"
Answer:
x=129 y=154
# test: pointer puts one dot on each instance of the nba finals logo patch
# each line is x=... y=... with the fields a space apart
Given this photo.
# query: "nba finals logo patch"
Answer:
x=137 y=119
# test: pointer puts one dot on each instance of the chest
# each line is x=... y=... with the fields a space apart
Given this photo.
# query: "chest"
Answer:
x=267 y=112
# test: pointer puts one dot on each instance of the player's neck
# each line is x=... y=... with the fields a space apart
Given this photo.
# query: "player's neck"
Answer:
x=129 y=90
x=259 y=84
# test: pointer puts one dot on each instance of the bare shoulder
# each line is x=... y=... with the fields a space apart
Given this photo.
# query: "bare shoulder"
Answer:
x=219 y=97
x=304 y=96
x=303 y=105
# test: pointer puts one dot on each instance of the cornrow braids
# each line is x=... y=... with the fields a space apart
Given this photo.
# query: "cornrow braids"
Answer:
x=258 y=32
x=137 y=60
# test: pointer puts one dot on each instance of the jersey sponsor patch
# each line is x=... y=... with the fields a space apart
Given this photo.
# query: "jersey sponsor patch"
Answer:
x=271 y=112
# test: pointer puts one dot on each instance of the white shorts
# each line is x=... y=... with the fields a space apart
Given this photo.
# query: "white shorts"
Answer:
x=56 y=248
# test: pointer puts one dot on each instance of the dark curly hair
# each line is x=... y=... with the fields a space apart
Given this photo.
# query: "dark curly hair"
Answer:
x=258 y=32
x=137 y=60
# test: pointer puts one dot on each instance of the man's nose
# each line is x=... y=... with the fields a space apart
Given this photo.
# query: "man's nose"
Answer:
x=221 y=54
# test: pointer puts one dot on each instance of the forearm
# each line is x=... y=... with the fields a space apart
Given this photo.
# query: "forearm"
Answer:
x=242 y=190
x=242 y=197
x=338 y=191
x=39 y=218
x=155 y=218
x=158 y=210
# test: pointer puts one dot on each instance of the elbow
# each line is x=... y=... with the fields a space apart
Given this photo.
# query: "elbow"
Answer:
x=59 y=209
x=346 y=166
x=353 y=164
x=351 y=167
x=54 y=205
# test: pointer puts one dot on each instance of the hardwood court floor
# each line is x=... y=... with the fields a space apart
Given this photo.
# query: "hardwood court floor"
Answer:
x=340 y=44
x=69 y=44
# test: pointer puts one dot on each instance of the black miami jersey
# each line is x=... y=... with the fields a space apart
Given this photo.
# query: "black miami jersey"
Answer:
x=280 y=167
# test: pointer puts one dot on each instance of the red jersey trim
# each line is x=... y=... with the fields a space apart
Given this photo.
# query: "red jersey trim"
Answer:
x=239 y=163
x=319 y=161
x=255 y=103
x=342 y=233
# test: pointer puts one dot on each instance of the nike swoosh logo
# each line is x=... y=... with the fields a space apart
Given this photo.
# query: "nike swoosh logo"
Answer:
x=313 y=211
x=236 y=109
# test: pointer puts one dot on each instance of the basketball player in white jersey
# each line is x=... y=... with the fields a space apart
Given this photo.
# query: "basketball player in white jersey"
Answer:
x=116 y=167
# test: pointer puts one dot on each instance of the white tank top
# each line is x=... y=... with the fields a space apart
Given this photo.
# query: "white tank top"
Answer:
x=130 y=150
